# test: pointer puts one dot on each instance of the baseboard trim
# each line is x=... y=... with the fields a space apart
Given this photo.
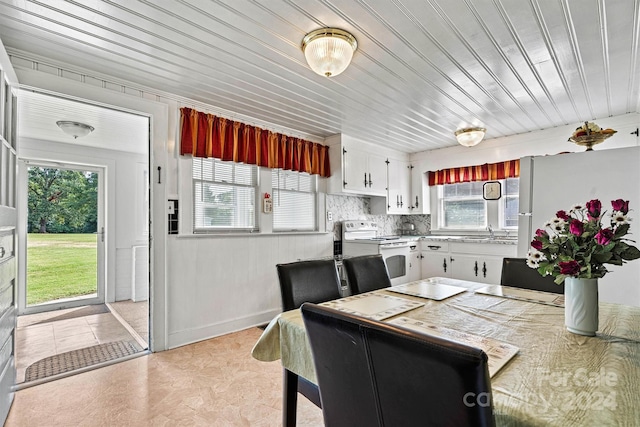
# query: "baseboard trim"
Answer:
x=190 y=336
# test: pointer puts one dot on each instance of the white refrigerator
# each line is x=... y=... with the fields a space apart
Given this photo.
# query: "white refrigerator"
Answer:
x=551 y=183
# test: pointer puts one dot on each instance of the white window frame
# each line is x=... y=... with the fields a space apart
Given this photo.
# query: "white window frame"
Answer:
x=313 y=192
x=256 y=190
x=494 y=212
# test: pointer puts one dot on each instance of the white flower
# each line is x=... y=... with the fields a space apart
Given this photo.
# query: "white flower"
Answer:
x=618 y=218
x=535 y=256
x=576 y=207
x=555 y=222
x=531 y=263
x=547 y=224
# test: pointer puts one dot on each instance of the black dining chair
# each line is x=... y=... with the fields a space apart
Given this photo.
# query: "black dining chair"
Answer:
x=516 y=273
x=378 y=374
x=304 y=281
x=366 y=273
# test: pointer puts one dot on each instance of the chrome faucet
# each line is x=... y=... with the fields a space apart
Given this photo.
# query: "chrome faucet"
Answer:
x=492 y=236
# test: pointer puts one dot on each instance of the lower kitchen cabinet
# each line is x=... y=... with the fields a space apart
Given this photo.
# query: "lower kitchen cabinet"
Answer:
x=477 y=262
x=415 y=259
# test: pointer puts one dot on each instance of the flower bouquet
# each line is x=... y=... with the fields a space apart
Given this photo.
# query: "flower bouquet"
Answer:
x=575 y=244
x=575 y=249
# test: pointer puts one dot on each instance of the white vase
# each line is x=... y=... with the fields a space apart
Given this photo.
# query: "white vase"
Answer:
x=581 y=305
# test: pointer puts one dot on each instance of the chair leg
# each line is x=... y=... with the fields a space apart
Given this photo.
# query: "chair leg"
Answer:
x=289 y=398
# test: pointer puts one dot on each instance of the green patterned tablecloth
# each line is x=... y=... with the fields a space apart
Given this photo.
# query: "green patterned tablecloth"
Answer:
x=558 y=378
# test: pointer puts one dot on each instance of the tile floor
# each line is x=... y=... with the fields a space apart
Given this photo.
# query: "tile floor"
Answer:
x=136 y=315
x=210 y=383
x=37 y=338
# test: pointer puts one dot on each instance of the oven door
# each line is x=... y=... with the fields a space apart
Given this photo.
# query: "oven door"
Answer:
x=396 y=258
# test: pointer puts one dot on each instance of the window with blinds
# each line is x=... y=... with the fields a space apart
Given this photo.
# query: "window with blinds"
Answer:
x=294 y=201
x=224 y=195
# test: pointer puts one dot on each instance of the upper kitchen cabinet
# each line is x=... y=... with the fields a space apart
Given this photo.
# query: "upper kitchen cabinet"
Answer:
x=420 y=201
x=399 y=187
x=356 y=167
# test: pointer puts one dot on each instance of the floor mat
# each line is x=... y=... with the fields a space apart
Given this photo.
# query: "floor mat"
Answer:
x=76 y=359
x=80 y=312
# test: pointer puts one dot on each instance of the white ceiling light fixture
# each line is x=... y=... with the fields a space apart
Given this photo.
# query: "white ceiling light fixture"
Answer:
x=75 y=129
x=329 y=50
x=470 y=136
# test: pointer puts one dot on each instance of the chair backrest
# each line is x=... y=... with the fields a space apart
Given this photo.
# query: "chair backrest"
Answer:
x=377 y=374
x=308 y=281
x=516 y=273
x=366 y=273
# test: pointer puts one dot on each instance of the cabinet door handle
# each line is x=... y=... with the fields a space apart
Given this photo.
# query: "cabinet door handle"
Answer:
x=434 y=247
x=475 y=269
x=417 y=204
x=397 y=201
x=444 y=264
x=484 y=269
x=401 y=204
x=370 y=182
x=365 y=179
x=2 y=251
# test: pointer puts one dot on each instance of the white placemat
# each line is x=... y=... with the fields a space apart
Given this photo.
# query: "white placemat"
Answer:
x=427 y=289
x=498 y=352
x=373 y=305
x=538 y=297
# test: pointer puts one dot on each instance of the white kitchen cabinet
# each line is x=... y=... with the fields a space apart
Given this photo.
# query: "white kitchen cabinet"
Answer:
x=435 y=260
x=477 y=262
x=420 y=200
x=399 y=187
x=356 y=167
x=415 y=261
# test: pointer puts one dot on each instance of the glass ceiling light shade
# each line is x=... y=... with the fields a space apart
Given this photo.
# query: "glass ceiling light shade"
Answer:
x=75 y=129
x=329 y=50
x=470 y=136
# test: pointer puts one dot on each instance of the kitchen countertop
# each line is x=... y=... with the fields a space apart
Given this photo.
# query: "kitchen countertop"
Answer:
x=501 y=240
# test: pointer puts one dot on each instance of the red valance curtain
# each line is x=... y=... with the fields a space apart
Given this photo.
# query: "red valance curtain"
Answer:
x=486 y=172
x=206 y=135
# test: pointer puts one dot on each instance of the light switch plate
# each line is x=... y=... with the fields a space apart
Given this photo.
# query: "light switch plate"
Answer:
x=329 y=216
x=171 y=207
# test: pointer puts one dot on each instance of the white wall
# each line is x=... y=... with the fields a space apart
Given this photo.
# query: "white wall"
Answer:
x=538 y=143
x=122 y=170
x=234 y=286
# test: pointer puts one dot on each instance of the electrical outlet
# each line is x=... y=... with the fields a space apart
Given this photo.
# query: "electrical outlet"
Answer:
x=329 y=216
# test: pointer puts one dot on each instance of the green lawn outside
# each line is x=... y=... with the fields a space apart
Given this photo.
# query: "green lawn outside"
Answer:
x=60 y=266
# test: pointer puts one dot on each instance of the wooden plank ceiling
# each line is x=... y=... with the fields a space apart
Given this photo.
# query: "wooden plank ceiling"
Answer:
x=423 y=68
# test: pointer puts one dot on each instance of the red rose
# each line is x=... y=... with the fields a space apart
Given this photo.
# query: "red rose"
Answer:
x=536 y=244
x=604 y=236
x=593 y=208
x=576 y=227
x=620 y=205
x=541 y=233
x=570 y=268
x=562 y=215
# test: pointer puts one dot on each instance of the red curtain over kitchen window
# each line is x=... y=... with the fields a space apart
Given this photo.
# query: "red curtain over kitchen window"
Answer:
x=206 y=135
x=485 y=172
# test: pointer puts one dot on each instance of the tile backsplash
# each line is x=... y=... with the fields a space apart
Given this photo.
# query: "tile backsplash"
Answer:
x=355 y=207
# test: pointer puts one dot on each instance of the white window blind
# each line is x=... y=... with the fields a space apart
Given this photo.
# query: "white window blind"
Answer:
x=224 y=195
x=511 y=196
x=462 y=206
x=294 y=201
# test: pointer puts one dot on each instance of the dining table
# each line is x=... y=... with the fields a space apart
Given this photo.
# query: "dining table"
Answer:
x=556 y=378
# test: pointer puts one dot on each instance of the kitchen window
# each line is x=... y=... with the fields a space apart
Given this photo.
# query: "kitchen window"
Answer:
x=462 y=207
x=294 y=201
x=224 y=195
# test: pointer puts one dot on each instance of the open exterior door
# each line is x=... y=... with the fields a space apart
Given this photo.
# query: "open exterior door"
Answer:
x=8 y=138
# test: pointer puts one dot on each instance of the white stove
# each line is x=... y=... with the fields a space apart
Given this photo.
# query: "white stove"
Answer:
x=360 y=237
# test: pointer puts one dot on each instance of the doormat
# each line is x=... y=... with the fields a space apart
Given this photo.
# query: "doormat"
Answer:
x=87 y=310
x=76 y=359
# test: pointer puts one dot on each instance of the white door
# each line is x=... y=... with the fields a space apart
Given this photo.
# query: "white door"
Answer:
x=65 y=258
x=7 y=237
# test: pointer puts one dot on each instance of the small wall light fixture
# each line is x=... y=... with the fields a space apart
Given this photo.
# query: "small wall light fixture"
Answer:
x=329 y=50
x=75 y=129
x=470 y=136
